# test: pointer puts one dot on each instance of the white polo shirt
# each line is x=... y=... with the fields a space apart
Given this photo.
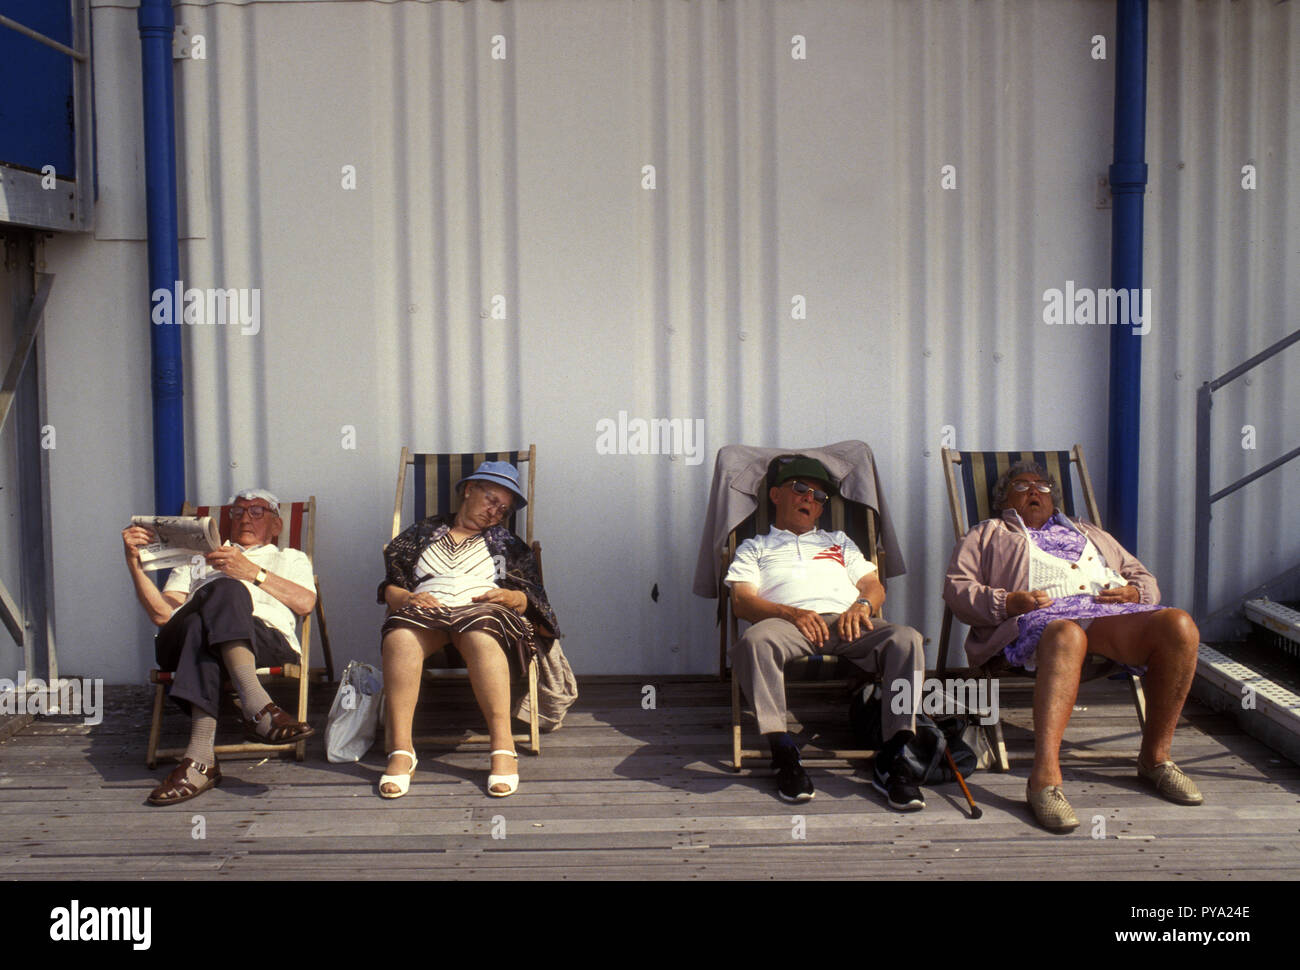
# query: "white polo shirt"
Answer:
x=815 y=571
x=290 y=564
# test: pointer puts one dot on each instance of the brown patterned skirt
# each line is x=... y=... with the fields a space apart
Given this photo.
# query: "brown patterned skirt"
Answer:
x=504 y=625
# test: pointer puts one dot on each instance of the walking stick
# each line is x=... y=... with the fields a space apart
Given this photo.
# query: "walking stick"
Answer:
x=974 y=809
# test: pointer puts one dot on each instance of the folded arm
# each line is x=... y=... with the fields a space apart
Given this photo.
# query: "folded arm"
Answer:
x=749 y=606
x=971 y=600
x=231 y=561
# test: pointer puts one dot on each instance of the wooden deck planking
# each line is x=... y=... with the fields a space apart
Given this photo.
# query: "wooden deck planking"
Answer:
x=627 y=793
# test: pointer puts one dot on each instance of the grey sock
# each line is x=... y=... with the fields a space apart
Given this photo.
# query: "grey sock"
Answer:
x=203 y=736
x=243 y=672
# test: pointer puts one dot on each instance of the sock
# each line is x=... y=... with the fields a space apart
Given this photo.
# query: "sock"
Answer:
x=243 y=672
x=783 y=746
x=203 y=736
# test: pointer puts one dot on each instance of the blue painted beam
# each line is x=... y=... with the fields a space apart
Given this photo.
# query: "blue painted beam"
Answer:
x=157 y=24
x=1128 y=182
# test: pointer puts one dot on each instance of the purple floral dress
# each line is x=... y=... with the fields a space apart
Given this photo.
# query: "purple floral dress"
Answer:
x=1060 y=540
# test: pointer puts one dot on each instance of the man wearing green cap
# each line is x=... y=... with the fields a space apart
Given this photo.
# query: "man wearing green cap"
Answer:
x=807 y=591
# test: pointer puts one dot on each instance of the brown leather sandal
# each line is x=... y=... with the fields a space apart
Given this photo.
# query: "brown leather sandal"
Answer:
x=284 y=729
x=177 y=786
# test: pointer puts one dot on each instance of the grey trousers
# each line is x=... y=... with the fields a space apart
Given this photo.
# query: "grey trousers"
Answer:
x=894 y=651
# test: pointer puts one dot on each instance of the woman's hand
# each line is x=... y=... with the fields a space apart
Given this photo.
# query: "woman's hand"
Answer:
x=427 y=600
x=1026 y=601
x=514 y=599
x=1119 y=594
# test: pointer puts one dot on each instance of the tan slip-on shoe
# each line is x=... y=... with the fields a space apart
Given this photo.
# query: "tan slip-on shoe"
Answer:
x=1171 y=783
x=1051 y=809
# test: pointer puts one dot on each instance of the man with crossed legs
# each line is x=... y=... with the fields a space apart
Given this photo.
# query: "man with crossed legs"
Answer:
x=235 y=615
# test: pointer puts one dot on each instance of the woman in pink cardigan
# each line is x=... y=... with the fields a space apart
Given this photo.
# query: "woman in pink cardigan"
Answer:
x=1045 y=590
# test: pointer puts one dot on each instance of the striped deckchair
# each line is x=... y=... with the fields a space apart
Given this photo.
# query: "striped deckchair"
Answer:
x=861 y=524
x=433 y=492
x=299 y=532
x=970 y=477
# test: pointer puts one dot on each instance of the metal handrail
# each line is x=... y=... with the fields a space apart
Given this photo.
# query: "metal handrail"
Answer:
x=42 y=39
x=1204 y=499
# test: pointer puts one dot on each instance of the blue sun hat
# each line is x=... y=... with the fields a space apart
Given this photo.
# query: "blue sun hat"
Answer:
x=498 y=473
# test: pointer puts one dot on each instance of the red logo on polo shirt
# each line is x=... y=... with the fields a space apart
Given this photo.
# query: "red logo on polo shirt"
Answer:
x=834 y=552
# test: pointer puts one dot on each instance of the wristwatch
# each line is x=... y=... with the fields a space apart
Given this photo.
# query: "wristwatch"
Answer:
x=260 y=578
x=865 y=602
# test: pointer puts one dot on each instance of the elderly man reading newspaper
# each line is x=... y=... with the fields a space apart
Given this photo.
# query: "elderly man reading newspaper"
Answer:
x=235 y=611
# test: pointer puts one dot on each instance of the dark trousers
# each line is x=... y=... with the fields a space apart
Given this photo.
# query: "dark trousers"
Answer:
x=188 y=644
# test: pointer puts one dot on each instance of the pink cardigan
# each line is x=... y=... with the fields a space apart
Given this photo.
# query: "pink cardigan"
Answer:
x=992 y=560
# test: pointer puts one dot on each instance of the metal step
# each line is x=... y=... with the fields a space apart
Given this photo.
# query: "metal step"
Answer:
x=1266 y=710
x=1278 y=619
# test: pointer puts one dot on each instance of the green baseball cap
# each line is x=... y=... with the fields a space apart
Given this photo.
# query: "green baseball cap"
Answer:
x=801 y=466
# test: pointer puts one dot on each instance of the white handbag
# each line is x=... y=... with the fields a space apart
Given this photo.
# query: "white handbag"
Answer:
x=350 y=729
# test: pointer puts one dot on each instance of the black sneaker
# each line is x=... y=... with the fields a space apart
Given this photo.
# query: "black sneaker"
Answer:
x=896 y=784
x=792 y=782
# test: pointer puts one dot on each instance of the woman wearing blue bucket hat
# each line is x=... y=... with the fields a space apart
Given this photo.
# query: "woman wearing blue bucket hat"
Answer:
x=466 y=580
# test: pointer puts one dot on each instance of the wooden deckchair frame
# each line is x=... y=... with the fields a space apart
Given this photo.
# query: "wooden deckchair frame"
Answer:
x=300 y=673
x=466 y=463
x=961 y=488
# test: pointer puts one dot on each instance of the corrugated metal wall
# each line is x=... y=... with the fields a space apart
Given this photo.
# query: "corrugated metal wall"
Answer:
x=518 y=184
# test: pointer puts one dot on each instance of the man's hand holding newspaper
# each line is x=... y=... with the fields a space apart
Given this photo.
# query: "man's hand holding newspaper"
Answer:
x=168 y=541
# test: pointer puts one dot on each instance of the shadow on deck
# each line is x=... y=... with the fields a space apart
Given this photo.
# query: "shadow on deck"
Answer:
x=622 y=792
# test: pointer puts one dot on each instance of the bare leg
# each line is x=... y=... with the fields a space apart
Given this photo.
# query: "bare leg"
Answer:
x=404 y=650
x=1061 y=651
x=489 y=675
x=1165 y=642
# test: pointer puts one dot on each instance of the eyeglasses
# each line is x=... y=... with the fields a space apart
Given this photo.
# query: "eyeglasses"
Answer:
x=799 y=488
x=254 y=512
x=494 y=506
x=1037 y=486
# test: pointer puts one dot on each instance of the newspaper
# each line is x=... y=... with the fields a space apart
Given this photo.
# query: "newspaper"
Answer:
x=180 y=539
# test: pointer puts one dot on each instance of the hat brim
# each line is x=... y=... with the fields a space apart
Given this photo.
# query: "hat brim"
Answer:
x=496 y=480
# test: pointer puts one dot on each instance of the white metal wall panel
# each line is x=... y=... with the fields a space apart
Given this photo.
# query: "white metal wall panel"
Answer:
x=1223 y=261
x=776 y=178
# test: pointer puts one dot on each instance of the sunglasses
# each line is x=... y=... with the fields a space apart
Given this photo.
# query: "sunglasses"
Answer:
x=799 y=488
x=1026 y=486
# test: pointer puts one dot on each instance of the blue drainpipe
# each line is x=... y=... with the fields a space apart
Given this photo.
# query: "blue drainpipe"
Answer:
x=157 y=24
x=1128 y=181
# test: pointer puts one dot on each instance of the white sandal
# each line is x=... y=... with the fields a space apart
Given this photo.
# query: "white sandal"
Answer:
x=510 y=781
x=402 y=781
